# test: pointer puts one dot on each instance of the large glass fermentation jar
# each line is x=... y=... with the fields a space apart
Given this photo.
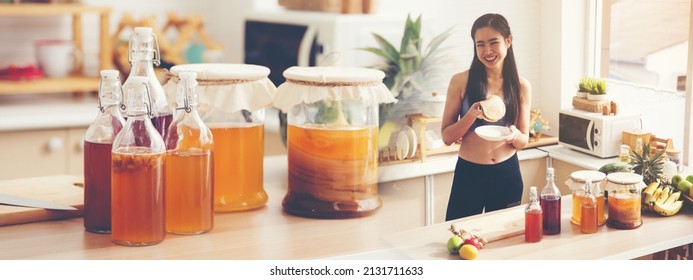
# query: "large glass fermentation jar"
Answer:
x=231 y=101
x=332 y=140
x=624 y=200
x=577 y=184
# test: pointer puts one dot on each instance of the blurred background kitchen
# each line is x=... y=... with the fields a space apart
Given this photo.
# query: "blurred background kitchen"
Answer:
x=640 y=46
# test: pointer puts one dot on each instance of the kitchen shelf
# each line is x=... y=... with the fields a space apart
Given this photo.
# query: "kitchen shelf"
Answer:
x=73 y=83
x=68 y=84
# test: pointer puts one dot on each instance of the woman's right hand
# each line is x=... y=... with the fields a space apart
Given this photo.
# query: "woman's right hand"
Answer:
x=475 y=111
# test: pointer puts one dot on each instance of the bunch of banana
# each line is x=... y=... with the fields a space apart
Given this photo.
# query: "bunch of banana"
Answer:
x=661 y=199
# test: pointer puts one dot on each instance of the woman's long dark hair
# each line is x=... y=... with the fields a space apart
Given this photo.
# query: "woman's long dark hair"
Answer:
x=476 y=83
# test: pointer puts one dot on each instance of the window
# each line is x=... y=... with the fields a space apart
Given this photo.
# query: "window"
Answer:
x=649 y=42
x=646 y=60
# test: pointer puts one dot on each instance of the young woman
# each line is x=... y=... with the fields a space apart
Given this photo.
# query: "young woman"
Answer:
x=487 y=175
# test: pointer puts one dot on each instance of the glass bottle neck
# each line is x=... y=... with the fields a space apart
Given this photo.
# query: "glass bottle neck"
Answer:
x=142 y=67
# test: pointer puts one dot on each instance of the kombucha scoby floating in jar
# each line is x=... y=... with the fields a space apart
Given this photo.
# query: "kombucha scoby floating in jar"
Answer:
x=137 y=175
x=232 y=100
x=98 y=142
x=624 y=200
x=332 y=140
x=189 y=185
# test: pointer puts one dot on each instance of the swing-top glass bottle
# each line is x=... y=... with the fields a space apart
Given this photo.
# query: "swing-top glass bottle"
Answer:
x=143 y=55
x=189 y=179
x=137 y=194
x=98 y=142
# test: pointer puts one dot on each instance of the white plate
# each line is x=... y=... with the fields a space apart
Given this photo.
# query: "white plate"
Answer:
x=401 y=146
x=492 y=132
x=411 y=136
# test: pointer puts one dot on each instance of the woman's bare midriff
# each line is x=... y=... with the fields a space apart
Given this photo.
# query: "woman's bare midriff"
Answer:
x=477 y=150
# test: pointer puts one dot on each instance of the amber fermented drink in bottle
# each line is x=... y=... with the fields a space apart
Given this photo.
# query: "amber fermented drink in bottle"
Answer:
x=98 y=142
x=533 y=218
x=143 y=55
x=189 y=180
x=137 y=186
x=588 y=211
x=138 y=193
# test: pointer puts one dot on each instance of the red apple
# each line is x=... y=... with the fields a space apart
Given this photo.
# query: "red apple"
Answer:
x=473 y=241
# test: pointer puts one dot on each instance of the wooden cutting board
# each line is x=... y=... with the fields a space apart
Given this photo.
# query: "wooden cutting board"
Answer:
x=63 y=189
x=503 y=225
x=429 y=242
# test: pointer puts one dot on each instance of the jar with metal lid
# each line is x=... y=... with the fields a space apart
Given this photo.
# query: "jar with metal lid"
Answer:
x=332 y=140
x=577 y=183
x=624 y=200
x=231 y=101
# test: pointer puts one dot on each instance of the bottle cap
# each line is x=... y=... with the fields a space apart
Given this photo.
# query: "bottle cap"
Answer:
x=110 y=75
x=549 y=171
x=143 y=33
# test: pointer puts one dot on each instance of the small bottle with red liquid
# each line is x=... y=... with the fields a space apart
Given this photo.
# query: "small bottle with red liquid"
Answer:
x=533 y=218
x=143 y=55
x=588 y=211
x=551 y=204
x=189 y=179
x=98 y=142
x=137 y=175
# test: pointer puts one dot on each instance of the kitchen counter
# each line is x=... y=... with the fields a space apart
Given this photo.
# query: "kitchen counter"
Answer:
x=269 y=233
x=580 y=159
x=656 y=234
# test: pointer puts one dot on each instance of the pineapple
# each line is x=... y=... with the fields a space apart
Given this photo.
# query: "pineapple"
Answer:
x=649 y=167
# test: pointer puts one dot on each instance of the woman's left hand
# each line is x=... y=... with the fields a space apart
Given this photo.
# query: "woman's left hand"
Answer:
x=514 y=133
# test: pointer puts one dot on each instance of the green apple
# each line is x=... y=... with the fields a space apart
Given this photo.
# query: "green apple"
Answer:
x=454 y=244
x=676 y=179
x=689 y=178
x=684 y=186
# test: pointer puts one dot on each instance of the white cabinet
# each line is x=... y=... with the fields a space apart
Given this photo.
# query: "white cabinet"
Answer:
x=41 y=152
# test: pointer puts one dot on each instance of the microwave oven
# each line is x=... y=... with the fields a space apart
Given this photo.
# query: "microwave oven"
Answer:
x=595 y=133
x=279 y=39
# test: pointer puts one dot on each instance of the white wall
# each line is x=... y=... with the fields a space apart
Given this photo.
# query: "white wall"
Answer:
x=548 y=35
x=222 y=21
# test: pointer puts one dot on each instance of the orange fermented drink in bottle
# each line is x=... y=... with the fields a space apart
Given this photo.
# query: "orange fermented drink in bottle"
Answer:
x=189 y=192
x=534 y=224
x=137 y=175
x=137 y=197
x=189 y=179
x=588 y=211
x=238 y=166
x=588 y=218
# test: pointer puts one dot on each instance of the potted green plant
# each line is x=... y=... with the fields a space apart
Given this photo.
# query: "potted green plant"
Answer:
x=584 y=86
x=598 y=91
x=412 y=69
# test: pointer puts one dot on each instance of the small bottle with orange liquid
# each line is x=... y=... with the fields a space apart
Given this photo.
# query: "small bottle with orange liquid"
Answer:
x=588 y=211
x=189 y=180
x=137 y=174
x=534 y=231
